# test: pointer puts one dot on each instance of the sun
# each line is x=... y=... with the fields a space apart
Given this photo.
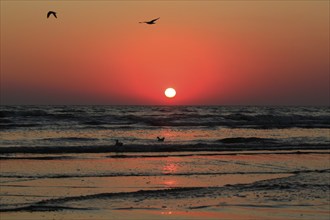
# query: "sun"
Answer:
x=170 y=92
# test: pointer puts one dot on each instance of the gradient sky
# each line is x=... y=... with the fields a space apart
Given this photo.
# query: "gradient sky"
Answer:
x=211 y=52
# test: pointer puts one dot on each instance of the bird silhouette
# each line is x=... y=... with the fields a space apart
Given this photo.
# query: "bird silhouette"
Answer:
x=118 y=144
x=51 y=13
x=150 y=22
x=161 y=139
x=119 y=147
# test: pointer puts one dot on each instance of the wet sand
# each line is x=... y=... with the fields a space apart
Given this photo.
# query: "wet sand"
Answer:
x=246 y=185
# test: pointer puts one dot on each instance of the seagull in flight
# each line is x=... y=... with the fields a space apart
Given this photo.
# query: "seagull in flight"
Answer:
x=51 y=13
x=150 y=22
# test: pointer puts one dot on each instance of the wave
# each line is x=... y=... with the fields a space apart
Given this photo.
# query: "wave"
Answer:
x=7 y=113
x=40 y=208
x=233 y=117
x=151 y=174
x=266 y=121
x=4 y=120
x=162 y=155
x=37 y=158
x=163 y=193
x=221 y=147
x=52 y=204
x=246 y=140
x=70 y=139
x=19 y=125
x=308 y=185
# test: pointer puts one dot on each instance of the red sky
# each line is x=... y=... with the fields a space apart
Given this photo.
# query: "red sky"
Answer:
x=211 y=52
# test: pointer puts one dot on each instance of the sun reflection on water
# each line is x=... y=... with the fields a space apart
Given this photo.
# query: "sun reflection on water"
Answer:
x=167 y=213
x=170 y=183
x=171 y=166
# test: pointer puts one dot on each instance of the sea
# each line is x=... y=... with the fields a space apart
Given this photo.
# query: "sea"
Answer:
x=86 y=129
x=215 y=162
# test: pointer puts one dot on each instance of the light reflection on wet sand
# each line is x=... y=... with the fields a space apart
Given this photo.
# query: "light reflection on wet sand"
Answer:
x=29 y=181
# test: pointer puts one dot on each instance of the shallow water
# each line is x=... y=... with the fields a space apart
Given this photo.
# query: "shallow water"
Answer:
x=215 y=163
x=191 y=185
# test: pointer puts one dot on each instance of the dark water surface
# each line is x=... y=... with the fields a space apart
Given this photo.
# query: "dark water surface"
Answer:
x=79 y=129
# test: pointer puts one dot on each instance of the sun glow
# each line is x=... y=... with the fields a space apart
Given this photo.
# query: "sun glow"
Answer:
x=170 y=92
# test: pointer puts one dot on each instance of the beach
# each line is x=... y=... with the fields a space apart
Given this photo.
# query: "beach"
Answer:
x=164 y=110
x=247 y=185
x=215 y=163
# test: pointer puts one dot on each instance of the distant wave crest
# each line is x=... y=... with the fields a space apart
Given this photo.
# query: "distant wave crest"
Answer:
x=93 y=117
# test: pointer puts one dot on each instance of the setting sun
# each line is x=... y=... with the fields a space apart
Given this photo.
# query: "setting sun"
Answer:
x=170 y=92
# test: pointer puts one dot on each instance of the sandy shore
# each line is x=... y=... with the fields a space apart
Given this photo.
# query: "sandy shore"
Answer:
x=182 y=186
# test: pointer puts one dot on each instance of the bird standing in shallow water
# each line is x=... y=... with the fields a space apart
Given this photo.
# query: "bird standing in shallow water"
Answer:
x=161 y=139
x=51 y=13
x=118 y=143
x=150 y=22
x=119 y=146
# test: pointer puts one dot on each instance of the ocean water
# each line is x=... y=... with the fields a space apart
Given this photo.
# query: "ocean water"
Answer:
x=79 y=129
x=60 y=162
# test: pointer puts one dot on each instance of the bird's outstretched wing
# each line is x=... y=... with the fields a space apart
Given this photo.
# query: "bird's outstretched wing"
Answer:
x=154 y=20
x=150 y=22
x=51 y=13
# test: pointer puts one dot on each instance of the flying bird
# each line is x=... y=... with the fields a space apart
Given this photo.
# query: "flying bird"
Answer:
x=150 y=22
x=51 y=13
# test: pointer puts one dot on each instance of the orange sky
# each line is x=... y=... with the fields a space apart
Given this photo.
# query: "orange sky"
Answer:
x=211 y=52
